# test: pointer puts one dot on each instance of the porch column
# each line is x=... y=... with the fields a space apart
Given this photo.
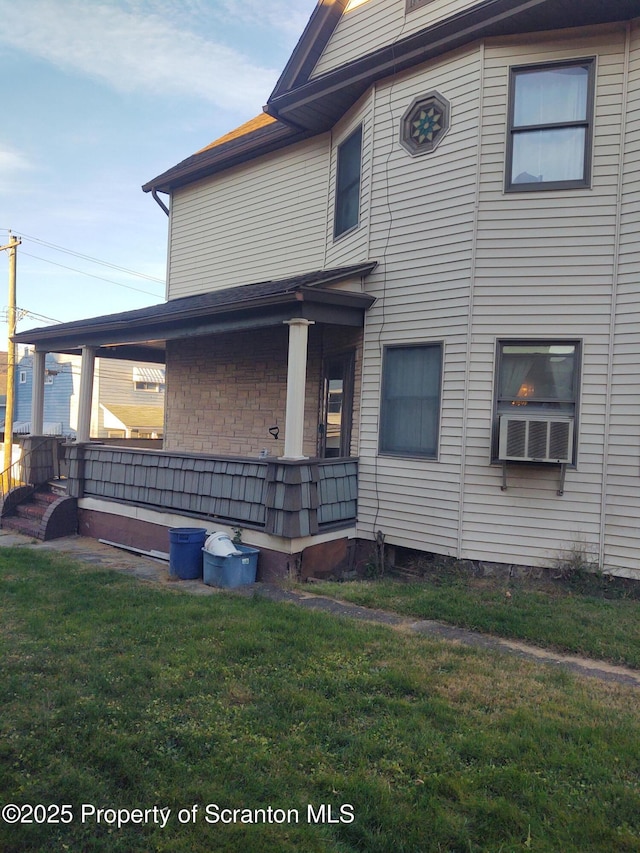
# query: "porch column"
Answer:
x=296 y=387
x=86 y=393
x=37 y=393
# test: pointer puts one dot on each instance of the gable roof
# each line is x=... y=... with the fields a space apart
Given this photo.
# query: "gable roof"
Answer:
x=262 y=135
x=317 y=104
x=312 y=42
x=303 y=106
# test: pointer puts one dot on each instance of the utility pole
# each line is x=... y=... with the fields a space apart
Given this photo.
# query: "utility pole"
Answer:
x=11 y=247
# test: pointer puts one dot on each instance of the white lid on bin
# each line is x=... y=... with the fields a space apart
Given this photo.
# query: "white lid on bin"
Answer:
x=221 y=545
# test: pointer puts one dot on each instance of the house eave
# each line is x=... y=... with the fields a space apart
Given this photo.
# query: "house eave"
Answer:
x=203 y=164
x=312 y=42
x=320 y=102
x=305 y=107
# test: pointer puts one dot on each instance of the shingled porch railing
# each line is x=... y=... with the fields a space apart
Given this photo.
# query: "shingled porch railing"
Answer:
x=290 y=499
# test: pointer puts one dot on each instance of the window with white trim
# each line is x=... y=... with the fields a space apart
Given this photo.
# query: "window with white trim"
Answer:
x=550 y=126
x=148 y=379
x=158 y=387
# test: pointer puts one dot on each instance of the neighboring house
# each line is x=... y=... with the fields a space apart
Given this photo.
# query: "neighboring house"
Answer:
x=418 y=271
x=128 y=398
x=62 y=375
x=131 y=400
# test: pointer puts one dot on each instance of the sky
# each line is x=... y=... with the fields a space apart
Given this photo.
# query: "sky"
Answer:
x=99 y=97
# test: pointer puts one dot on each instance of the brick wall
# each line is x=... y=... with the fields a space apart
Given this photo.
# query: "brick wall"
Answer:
x=223 y=392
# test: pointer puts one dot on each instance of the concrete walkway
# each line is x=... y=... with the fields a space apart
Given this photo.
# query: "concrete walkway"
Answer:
x=155 y=571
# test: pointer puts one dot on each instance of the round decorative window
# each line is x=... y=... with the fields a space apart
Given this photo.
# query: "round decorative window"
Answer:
x=425 y=123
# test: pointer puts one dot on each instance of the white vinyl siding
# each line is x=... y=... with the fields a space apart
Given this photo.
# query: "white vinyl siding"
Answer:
x=263 y=221
x=378 y=23
x=545 y=267
x=622 y=516
x=422 y=236
x=540 y=265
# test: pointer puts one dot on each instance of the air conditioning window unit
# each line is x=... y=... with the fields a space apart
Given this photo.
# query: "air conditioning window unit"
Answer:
x=536 y=438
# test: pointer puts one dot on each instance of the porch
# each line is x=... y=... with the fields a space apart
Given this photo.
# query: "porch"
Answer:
x=131 y=495
x=261 y=416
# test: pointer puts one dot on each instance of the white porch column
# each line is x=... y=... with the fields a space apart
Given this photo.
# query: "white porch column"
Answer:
x=37 y=393
x=296 y=388
x=86 y=393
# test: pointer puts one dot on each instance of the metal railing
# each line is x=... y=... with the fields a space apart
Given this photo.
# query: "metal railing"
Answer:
x=17 y=473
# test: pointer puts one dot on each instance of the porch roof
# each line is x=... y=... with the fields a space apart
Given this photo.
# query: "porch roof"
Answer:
x=141 y=335
x=135 y=417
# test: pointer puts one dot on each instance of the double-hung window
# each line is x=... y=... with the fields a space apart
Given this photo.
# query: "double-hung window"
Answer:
x=347 y=211
x=550 y=126
x=410 y=404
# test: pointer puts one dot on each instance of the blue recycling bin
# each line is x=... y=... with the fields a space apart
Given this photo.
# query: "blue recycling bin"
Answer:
x=185 y=552
x=232 y=570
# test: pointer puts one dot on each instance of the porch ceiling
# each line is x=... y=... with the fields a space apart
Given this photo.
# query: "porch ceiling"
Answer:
x=141 y=335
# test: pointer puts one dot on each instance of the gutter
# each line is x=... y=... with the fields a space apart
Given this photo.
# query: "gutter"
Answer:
x=159 y=201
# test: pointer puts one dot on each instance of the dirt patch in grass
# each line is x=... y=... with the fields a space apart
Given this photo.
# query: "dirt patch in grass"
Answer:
x=567 y=577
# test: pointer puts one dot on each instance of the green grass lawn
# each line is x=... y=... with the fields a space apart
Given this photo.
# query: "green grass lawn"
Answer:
x=592 y=617
x=120 y=696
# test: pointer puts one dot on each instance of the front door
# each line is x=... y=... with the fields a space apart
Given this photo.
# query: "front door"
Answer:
x=334 y=432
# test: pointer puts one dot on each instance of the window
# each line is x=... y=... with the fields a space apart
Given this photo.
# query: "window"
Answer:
x=550 y=126
x=149 y=386
x=148 y=379
x=425 y=124
x=410 y=404
x=538 y=378
x=22 y=377
x=347 y=211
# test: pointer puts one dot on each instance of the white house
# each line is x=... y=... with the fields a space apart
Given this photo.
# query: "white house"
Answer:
x=412 y=281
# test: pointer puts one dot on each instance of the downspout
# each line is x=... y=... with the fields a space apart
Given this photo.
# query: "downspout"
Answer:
x=159 y=201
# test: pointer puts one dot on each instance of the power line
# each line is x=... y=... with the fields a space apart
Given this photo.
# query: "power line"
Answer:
x=24 y=312
x=90 y=258
x=91 y=275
